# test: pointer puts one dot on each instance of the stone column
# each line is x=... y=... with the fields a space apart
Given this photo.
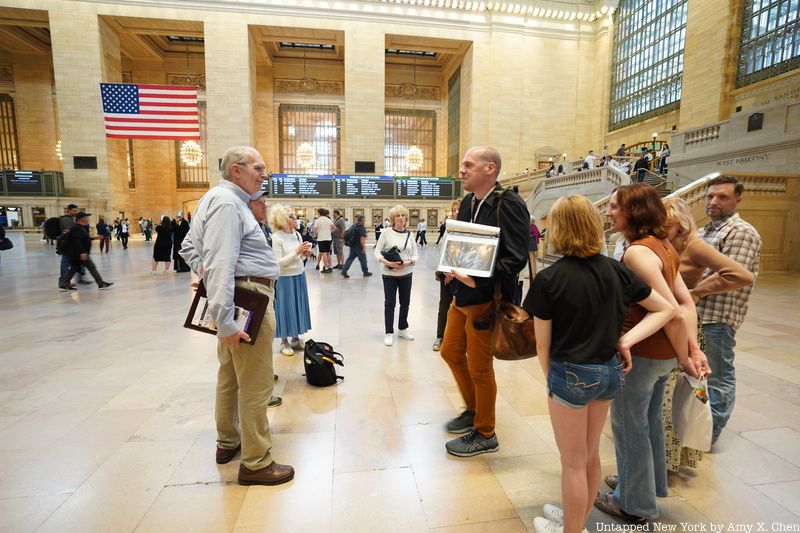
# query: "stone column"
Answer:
x=230 y=83
x=77 y=66
x=364 y=97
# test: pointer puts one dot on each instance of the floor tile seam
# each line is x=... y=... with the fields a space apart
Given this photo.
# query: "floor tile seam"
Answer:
x=797 y=464
x=50 y=515
x=789 y=511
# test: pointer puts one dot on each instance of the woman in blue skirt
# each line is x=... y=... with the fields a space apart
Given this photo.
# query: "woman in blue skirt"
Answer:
x=292 y=312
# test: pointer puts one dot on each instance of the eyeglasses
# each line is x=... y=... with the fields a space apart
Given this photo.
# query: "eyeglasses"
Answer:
x=258 y=168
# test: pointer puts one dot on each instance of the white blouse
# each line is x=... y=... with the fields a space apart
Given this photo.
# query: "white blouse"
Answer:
x=285 y=245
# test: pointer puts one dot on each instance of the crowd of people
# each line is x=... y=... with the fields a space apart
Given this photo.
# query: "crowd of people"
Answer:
x=612 y=335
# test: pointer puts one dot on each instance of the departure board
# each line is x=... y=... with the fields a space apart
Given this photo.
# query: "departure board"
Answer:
x=369 y=186
x=24 y=181
x=423 y=187
x=301 y=185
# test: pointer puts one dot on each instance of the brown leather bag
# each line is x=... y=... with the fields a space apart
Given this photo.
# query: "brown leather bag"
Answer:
x=512 y=330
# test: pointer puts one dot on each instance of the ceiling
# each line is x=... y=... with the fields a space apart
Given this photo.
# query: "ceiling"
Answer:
x=24 y=31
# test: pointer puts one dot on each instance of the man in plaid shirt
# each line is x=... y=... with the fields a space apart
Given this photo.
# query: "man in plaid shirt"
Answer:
x=722 y=314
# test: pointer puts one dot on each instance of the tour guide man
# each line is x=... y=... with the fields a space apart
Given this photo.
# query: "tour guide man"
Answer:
x=227 y=241
x=467 y=336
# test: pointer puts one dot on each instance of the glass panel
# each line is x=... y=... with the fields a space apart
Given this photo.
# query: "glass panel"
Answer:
x=769 y=31
x=313 y=124
x=194 y=176
x=404 y=128
x=9 y=145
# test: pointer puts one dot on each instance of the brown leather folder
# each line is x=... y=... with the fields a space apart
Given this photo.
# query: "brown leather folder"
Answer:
x=252 y=301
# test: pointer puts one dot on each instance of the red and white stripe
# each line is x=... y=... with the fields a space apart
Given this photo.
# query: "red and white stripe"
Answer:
x=165 y=112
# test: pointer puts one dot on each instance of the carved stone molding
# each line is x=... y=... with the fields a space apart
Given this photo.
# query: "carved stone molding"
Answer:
x=197 y=80
x=408 y=90
x=308 y=86
x=6 y=74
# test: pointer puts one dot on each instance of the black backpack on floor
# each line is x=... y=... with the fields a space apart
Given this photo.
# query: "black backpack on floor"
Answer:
x=319 y=360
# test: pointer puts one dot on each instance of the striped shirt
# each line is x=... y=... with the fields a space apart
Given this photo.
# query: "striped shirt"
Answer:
x=740 y=241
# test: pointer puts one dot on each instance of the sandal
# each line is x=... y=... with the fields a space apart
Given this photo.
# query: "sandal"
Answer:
x=605 y=503
x=612 y=481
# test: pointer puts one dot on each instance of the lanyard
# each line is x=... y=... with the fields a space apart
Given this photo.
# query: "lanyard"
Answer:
x=477 y=209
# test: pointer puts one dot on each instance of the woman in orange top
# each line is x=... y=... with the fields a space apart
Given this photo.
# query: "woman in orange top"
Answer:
x=636 y=414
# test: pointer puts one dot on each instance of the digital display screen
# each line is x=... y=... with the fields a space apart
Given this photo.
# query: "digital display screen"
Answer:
x=292 y=185
x=424 y=187
x=24 y=181
x=358 y=186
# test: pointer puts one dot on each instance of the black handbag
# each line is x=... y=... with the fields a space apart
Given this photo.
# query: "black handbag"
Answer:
x=319 y=360
x=393 y=254
x=6 y=244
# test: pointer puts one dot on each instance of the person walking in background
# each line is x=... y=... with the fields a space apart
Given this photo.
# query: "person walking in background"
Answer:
x=662 y=163
x=422 y=228
x=77 y=246
x=147 y=229
x=397 y=273
x=103 y=234
x=66 y=221
x=180 y=230
x=323 y=229
x=579 y=305
x=339 y=227
x=163 y=245
x=292 y=311
x=641 y=167
x=123 y=232
x=357 y=249
x=467 y=337
x=378 y=228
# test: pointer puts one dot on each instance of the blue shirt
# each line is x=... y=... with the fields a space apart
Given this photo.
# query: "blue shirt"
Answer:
x=226 y=242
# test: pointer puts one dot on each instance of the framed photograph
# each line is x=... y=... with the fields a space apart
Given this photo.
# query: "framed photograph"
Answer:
x=470 y=248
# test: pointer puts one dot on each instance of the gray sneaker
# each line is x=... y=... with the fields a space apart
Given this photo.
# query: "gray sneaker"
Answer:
x=463 y=423
x=473 y=443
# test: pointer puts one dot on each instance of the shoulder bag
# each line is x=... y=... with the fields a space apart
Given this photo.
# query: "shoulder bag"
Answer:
x=393 y=254
x=513 y=336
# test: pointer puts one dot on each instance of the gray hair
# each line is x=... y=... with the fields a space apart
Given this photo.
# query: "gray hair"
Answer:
x=235 y=155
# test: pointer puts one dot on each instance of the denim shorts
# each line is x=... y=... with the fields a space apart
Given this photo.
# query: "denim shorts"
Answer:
x=576 y=384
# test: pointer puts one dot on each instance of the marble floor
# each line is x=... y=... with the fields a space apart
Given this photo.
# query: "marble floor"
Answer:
x=106 y=418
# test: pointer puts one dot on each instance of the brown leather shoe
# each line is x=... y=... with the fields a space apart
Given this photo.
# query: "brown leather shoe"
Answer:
x=225 y=456
x=273 y=474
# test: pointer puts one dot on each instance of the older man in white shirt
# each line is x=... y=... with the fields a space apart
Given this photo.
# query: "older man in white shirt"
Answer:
x=227 y=248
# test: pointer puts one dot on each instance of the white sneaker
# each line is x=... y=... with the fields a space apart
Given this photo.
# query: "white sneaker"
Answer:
x=543 y=525
x=388 y=340
x=404 y=334
x=553 y=513
x=286 y=349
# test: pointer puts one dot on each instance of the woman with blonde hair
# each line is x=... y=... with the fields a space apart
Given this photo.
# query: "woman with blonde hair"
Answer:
x=397 y=252
x=292 y=312
x=579 y=305
x=697 y=256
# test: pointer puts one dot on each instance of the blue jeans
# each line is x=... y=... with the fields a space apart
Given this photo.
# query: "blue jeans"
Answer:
x=356 y=252
x=574 y=385
x=637 y=420
x=720 y=343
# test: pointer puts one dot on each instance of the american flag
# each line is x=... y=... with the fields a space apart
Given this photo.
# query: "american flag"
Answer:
x=134 y=111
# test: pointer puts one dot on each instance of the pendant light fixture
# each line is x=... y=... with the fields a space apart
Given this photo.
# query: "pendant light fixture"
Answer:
x=306 y=154
x=414 y=156
x=191 y=151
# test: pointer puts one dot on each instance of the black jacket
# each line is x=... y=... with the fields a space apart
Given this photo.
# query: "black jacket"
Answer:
x=512 y=254
x=79 y=243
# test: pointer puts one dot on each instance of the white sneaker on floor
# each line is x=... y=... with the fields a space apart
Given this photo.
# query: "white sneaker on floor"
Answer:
x=404 y=334
x=286 y=349
x=543 y=525
x=553 y=513
x=388 y=340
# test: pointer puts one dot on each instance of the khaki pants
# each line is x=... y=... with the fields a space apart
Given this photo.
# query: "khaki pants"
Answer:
x=244 y=387
x=466 y=350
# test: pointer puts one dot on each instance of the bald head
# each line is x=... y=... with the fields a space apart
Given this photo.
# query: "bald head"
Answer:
x=488 y=154
x=479 y=170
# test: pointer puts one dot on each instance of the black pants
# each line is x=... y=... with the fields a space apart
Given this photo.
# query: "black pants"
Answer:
x=356 y=252
x=445 y=299
x=124 y=240
x=421 y=238
x=441 y=234
x=391 y=286
x=74 y=268
x=178 y=262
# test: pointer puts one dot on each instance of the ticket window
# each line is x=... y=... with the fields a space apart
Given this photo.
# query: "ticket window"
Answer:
x=357 y=212
x=377 y=217
x=413 y=217
x=39 y=216
x=433 y=219
x=10 y=217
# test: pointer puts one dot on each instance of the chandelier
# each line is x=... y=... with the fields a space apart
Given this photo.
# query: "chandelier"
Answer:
x=191 y=153
x=306 y=155
x=414 y=156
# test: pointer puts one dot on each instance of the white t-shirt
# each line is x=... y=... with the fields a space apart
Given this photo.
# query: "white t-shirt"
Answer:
x=323 y=228
x=284 y=244
x=422 y=226
x=589 y=161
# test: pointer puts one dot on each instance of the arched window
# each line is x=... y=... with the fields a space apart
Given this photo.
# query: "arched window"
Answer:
x=770 y=40
x=647 y=68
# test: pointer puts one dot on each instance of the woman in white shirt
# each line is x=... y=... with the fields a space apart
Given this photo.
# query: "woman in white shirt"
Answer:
x=292 y=312
x=397 y=274
x=323 y=226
